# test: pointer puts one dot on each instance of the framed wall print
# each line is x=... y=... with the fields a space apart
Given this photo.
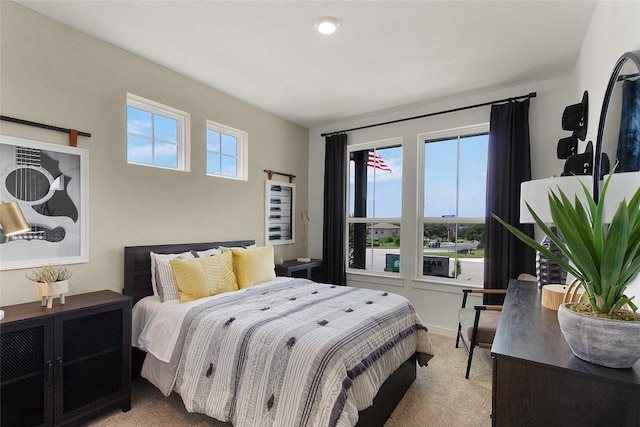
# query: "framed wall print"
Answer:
x=49 y=183
x=279 y=210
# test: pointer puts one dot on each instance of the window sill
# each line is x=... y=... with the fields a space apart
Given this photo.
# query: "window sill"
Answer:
x=233 y=178
x=442 y=284
x=375 y=277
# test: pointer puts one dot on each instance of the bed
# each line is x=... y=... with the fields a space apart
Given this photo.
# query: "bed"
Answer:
x=198 y=363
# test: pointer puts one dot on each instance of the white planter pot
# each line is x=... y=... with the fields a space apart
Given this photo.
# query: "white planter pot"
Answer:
x=47 y=291
x=605 y=342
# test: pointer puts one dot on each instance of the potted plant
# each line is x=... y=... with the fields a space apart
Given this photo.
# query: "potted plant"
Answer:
x=51 y=280
x=605 y=259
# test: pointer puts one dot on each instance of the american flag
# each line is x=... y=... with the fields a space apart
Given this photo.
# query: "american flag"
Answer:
x=375 y=161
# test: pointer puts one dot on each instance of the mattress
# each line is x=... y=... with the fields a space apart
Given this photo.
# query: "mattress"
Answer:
x=286 y=352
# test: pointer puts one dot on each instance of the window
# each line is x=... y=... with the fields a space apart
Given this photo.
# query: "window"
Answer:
x=157 y=135
x=375 y=206
x=226 y=151
x=454 y=200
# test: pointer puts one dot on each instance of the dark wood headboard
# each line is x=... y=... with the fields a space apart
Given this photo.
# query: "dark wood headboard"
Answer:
x=137 y=263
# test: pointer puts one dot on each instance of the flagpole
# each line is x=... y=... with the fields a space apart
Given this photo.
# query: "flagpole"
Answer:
x=373 y=208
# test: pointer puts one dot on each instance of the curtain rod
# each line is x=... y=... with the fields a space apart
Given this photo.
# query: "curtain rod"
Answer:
x=41 y=125
x=453 y=110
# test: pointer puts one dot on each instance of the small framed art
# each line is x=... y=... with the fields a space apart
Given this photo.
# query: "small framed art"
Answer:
x=279 y=209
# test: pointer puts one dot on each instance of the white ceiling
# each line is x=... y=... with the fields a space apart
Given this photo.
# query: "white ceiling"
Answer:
x=386 y=54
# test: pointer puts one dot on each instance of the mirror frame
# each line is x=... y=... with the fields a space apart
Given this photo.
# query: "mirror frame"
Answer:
x=633 y=56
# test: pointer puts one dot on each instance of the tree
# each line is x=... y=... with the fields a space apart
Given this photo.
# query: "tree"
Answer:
x=435 y=231
x=475 y=233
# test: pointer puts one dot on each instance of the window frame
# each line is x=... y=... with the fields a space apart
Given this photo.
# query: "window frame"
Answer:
x=183 y=161
x=372 y=145
x=242 y=144
x=422 y=139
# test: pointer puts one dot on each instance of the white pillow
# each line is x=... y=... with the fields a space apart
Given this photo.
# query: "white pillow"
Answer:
x=206 y=253
x=163 y=281
x=226 y=249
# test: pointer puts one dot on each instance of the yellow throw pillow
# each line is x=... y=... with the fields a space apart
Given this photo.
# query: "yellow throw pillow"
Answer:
x=202 y=277
x=253 y=266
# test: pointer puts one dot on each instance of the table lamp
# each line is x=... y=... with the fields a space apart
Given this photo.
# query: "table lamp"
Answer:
x=305 y=224
x=12 y=222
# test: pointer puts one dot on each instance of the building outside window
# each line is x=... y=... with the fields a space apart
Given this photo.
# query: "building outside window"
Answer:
x=226 y=151
x=454 y=201
x=157 y=135
x=375 y=206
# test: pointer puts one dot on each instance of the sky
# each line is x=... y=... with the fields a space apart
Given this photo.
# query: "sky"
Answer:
x=440 y=161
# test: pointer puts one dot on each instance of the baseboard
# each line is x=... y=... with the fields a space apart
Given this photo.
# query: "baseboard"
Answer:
x=439 y=330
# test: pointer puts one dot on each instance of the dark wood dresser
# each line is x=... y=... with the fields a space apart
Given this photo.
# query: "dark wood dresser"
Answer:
x=537 y=381
x=63 y=365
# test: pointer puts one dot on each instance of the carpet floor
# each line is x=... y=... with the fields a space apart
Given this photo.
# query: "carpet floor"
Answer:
x=440 y=396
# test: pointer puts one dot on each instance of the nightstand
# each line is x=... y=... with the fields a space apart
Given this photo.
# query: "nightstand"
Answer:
x=295 y=268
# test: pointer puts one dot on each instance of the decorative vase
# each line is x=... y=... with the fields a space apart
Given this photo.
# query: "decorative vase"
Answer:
x=47 y=291
x=605 y=342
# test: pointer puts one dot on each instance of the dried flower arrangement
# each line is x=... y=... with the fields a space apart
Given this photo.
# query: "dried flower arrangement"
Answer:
x=49 y=274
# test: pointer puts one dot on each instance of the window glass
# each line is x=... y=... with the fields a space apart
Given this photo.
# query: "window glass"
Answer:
x=157 y=135
x=139 y=122
x=453 y=250
x=229 y=145
x=165 y=129
x=440 y=159
x=455 y=175
x=381 y=249
x=213 y=164
x=229 y=167
x=472 y=173
x=375 y=208
x=226 y=151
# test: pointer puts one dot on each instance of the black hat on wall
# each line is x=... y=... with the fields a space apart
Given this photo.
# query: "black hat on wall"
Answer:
x=575 y=117
x=567 y=147
x=579 y=164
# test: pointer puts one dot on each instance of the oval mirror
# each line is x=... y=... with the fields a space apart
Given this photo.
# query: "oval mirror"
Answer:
x=618 y=136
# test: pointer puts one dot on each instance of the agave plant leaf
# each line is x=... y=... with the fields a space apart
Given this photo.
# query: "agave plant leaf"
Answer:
x=630 y=270
x=615 y=248
x=577 y=239
x=596 y=209
x=634 y=209
x=604 y=258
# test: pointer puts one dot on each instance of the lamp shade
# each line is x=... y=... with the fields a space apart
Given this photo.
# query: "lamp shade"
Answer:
x=623 y=185
x=536 y=194
x=12 y=220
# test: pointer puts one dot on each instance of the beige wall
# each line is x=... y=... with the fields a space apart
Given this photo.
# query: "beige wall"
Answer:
x=614 y=29
x=53 y=74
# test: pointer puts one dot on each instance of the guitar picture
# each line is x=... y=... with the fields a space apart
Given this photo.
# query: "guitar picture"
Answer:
x=49 y=182
x=37 y=184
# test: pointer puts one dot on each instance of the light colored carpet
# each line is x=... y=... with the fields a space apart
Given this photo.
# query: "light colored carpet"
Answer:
x=440 y=396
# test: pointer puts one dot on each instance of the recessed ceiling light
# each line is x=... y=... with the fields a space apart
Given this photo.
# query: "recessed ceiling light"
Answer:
x=327 y=25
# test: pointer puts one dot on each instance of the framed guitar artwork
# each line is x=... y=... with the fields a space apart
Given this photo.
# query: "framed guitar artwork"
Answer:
x=50 y=184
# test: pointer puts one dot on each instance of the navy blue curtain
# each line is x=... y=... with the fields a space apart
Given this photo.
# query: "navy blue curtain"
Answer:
x=509 y=164
x=629 y=141
x=335 y=208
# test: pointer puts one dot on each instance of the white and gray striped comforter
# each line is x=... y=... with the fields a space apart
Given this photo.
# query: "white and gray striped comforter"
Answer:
x=297 y=353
